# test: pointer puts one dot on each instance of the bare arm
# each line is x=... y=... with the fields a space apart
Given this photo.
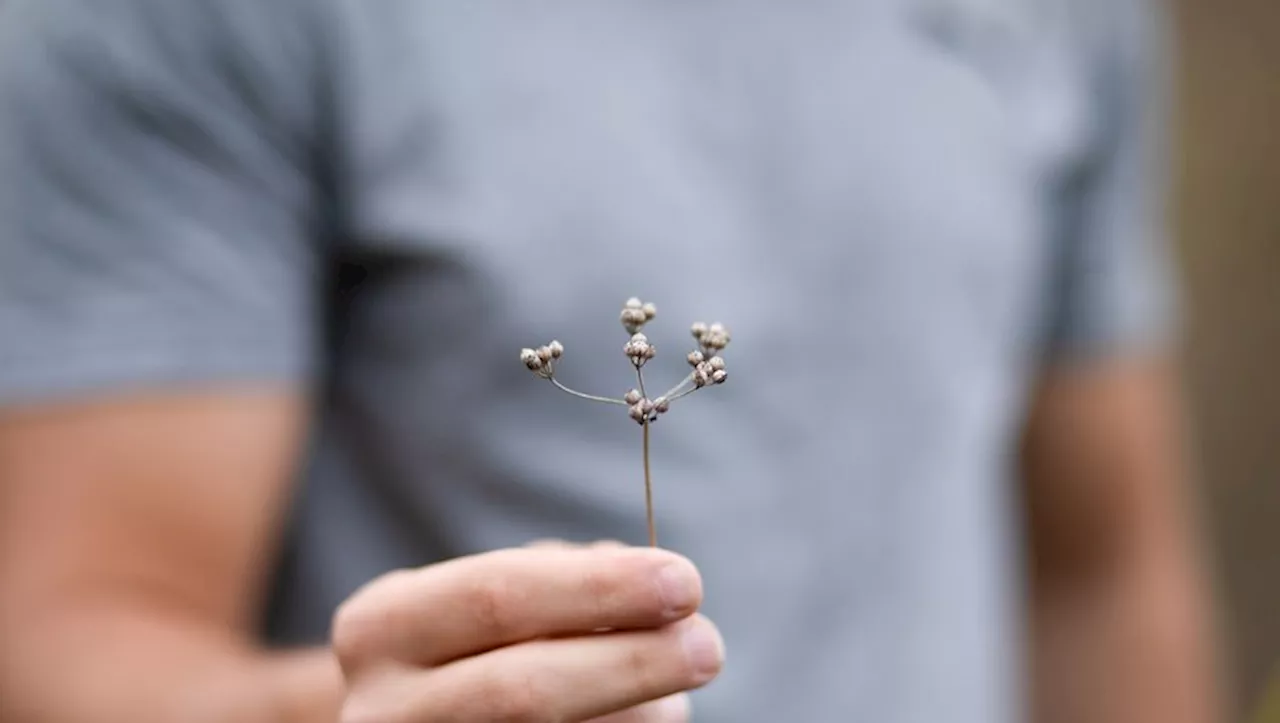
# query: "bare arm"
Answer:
x=133 y=534
x=1121 y=626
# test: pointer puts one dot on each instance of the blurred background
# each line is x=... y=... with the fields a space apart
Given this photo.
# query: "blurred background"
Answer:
x=1228 y=215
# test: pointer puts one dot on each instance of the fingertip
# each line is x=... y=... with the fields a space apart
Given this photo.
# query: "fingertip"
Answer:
x=674 y=709
x=680 y=588
x=703 y=647
x=609 y=545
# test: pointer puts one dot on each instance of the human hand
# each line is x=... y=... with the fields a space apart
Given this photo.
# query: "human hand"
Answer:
x=549 y=633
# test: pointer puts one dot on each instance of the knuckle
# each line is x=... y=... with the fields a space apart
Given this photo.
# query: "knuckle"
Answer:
x=653 y=667
x=602 y=588
x=648 y=667
x=361 y=621
x=349 y=636
x=492 y=604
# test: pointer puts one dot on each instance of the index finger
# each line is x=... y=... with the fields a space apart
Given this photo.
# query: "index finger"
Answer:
x=443 y=612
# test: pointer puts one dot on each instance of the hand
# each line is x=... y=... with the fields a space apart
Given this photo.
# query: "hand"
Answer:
x=540 y=634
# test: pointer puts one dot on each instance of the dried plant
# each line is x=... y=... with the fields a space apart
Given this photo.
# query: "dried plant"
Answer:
x=708 y=370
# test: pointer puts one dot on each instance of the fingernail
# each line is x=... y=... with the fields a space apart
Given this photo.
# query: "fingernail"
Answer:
x=705 y=648
x=680 y=588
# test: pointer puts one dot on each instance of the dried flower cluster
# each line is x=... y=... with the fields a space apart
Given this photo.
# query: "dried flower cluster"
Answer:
x=707 y=364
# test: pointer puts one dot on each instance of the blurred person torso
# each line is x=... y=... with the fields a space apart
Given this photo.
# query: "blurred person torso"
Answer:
x=880 y=198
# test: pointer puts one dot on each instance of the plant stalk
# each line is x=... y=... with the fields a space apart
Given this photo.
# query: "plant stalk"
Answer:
x=648 y=490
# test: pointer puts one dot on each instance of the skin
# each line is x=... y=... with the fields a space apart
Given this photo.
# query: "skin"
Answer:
x=1120 y=614
x=131 y=549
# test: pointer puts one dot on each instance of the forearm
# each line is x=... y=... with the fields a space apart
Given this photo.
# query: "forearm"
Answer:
x=1131 y=644
x=1122 y=628
x=145 y=669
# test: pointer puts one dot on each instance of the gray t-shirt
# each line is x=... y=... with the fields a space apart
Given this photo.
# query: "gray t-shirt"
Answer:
x=902 y=208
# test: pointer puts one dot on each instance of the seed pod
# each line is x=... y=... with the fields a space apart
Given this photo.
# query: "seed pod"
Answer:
x=531 y=359
x=557 y=349
x=717 y=363
x=719 y=376
x=695 y=358
x=637 y=412
x=633 y=397
x=650 y=311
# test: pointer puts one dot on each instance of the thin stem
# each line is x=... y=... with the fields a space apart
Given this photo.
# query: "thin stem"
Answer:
x=588 y=397
x=667 y=394
x=685 y=393
x=648 y=490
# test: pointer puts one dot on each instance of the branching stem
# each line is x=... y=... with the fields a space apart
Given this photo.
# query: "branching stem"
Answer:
x=588 y=397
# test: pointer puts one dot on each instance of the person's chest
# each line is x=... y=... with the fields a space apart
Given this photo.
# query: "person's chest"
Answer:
x=864 y=198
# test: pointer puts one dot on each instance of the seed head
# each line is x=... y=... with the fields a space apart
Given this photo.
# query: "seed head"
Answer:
x=531 y=359
x=633 y=319
x=544 y=354
x=636 y=313
x=698 y=330
x=639 y=350
x=633 y=397
x=556 y=349
x=716 y=338
x=716 y=363
x=702 y=375
x=695 y=358
x=719 y=376
x=638 y=413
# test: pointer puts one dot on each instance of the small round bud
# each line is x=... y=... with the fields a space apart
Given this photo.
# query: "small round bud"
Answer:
x=717 y=363
x=717 y=337
x=701 y=377
x=646 y=405
x=661 y=405
x=719 y=376
x=544 y=353
x=633 y=397
x=531 y=360
x=698 y=330
x=638 y=350
x=632 y=319
x=650 y=311
x=695 y=358
x=633 y=303
x=556 y=348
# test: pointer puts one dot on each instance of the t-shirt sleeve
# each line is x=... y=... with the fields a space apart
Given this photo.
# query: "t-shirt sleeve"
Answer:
x=1115 y=292
x=157 y=200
